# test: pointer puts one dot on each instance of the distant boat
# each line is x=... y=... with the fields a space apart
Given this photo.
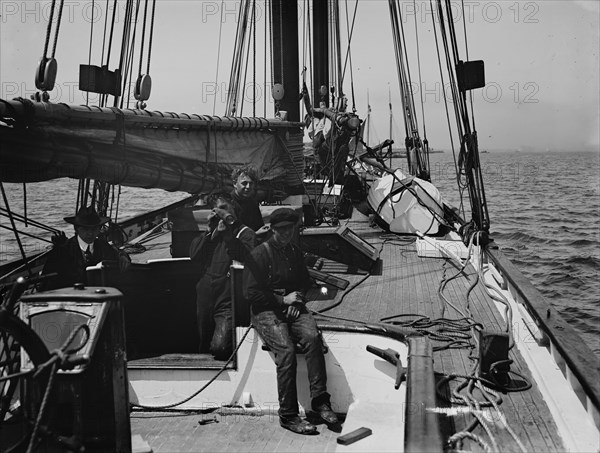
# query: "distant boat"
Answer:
x=396 y=152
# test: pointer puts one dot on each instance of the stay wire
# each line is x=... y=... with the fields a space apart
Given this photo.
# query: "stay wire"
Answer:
x=27 y=220
x=14 y=227
x=112 y=27
x=124 y=46
x=59 y=20
x=412 y=113
x=104 y=35
x=104 y=97
x=25 y=233
x=467 y=55
x=143 y=37
x=338 y=42
x=426 y=151
x=87 y=93
x=450 y=133
x=348 y=59
x=49 y=29
x=254 y=57
x=130 y=56
x=218 y=58
x=151 y=35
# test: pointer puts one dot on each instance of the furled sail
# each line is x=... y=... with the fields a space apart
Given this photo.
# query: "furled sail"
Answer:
x=138 y=148
x=406 y=204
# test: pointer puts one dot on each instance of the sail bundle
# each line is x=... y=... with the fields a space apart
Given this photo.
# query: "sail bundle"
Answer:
x=191 y=153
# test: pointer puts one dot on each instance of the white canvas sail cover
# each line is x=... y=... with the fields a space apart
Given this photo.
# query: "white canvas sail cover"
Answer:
x=400 y=209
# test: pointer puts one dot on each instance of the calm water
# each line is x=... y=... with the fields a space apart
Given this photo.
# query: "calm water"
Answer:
x=544 y=211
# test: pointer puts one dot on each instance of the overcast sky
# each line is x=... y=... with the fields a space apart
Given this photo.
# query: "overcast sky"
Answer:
x=541 y=63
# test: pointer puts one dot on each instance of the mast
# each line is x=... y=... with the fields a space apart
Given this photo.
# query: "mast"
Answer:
x=321 y=53
x=285 y=55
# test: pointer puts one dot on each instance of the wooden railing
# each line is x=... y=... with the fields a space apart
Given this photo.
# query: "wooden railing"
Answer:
x=576 y=360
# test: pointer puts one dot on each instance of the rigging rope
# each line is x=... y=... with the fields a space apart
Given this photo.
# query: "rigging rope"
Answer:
x=14 y=227
x=24 y=233
x=350 y=30
x=425 y=141
x=60 y=10
x=265 y=84
x=237 y=62
x=87 y=93
x=151 y=35
x=218 y=58
x=49 y=29
x=456 y=169
x=104 y=35
x=143 y=38
x=27 y=221
x=254 y=58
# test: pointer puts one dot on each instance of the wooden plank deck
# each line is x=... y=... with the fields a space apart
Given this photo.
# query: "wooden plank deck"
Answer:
x=407 y=284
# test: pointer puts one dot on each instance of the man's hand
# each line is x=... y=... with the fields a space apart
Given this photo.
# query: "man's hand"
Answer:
x=292 y=312
x=222 y=229
x=263 y=230
x=58 y=238
x=213 y=220
x=293 y=297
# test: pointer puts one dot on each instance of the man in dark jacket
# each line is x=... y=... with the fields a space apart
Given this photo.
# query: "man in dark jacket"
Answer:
x=225 y=240
x=244 y=190
x=275 y=282
x=70 y=257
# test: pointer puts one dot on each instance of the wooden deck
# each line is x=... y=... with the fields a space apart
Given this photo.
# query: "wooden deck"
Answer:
x=404 y=284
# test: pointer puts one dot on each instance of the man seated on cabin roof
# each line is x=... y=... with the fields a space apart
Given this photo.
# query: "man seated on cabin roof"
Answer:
x=69 y=258
x=275 y=281
x=225 y=240
x=245 y=179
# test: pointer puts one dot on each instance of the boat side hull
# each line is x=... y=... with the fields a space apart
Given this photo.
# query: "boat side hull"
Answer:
x=361 y=385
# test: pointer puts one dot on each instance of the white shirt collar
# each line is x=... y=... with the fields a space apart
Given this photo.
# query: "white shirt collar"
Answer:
x=84 y=245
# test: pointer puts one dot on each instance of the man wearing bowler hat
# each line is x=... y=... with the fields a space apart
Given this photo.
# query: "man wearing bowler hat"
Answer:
x=275 y=282
x=70 y=257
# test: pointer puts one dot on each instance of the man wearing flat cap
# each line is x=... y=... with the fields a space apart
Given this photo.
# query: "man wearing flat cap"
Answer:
x=275 y=282
x=70 y=257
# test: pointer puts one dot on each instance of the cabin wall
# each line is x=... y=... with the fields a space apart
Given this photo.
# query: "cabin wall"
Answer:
x=159 y=304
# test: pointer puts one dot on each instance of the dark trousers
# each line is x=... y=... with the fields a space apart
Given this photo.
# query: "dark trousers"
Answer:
x=281 y=336
x=213 y=313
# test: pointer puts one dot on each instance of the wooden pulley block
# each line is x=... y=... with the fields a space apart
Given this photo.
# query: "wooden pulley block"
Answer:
x=354 y=123
x=277 y=91
x=45 y=75
x=143 y=86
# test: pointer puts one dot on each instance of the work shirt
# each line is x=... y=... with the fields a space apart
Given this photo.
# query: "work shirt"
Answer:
x=272 y=272
x=215 y=254
x=248 y=211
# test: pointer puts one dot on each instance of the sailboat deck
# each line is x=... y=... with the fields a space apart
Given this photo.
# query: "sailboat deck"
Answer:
x=403 y=284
